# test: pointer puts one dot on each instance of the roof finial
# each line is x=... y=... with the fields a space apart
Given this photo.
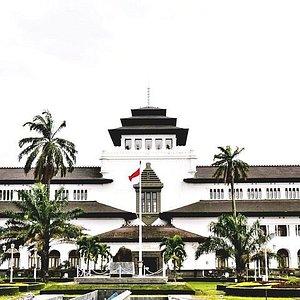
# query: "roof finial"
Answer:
x=148 y=96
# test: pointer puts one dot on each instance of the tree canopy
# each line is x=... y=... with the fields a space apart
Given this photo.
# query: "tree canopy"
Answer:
x=236 y=238
x=173 y=249
x=230 y=169
x=50 y=153
x=38 y=221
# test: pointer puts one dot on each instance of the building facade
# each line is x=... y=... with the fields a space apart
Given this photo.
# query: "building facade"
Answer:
x=177 y=196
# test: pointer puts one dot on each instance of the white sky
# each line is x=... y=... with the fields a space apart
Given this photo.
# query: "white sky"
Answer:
x=228 y=70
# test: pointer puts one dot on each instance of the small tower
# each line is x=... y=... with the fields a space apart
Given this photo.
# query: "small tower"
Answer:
x=148 y=129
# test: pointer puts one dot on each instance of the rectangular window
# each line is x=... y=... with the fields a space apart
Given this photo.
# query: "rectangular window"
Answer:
x=169 y=144
x=281 y=230
x=265 y=229
x=143 y=202
x=158 y=144
x=138 y=144
x=148 y=201
x=128 y=144
x=297 y=230
x=74 y=195
x=148 y=144
x=154 y=202
x=19 y=194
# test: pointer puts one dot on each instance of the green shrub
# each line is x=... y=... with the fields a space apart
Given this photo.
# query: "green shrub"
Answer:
x=36 y=286
x=9 y=290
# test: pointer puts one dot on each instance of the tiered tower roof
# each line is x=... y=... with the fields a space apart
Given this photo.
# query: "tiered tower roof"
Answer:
x=148 y=121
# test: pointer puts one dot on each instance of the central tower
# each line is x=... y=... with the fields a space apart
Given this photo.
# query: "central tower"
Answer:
x=151 y=137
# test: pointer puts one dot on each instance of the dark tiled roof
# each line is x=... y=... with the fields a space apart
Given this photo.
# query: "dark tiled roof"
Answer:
x=149 y=178
x=94 y=208
x=212 y=208
x=79 y=175
x=90 y=209
x=204 y=174
x=148 y=120
x=150 y=233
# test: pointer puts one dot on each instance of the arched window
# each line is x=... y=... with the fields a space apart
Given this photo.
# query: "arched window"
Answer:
x=221 y=259
x=73 y=259
x=283 y=258
x=54 y=259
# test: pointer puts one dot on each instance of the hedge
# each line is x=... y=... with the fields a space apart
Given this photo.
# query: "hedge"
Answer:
x=262 y=292
x=9 y=290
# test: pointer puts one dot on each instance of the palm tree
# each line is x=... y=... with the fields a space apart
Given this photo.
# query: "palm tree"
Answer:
x=89 y=248
x=51 y=154
x=39 y=222
x=173 y=249
x=105 y=255
x=230 y=169
x=234 y=236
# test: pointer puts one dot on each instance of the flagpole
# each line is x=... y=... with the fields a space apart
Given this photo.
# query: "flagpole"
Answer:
x=140 y=262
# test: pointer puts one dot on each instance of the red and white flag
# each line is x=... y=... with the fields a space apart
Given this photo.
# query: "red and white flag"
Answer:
x=134 y=174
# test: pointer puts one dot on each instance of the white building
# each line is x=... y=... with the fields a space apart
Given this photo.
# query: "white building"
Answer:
x=177 y=196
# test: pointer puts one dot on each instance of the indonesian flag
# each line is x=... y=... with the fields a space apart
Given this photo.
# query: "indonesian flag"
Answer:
x=134 y=174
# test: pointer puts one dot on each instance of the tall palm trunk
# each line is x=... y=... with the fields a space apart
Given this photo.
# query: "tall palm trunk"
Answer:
x=88 y=265
x=240 y=268
x=102 y=262
x=233 y=204
x=175 y=269
x=45 y=262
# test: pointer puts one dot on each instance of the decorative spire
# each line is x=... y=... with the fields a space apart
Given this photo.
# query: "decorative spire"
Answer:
x=148 y=96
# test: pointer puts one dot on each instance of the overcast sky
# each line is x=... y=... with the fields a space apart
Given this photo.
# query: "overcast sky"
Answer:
x=228 y=70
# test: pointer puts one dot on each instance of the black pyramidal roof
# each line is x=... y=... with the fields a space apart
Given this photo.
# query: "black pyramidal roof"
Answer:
x=148 y=120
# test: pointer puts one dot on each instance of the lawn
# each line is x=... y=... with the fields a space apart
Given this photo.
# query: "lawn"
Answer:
x=204 y=290
x=208 y=291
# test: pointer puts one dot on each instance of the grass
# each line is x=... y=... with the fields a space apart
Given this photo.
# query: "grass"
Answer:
x=208 y=291
x=204 y=290
x=74 y=288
